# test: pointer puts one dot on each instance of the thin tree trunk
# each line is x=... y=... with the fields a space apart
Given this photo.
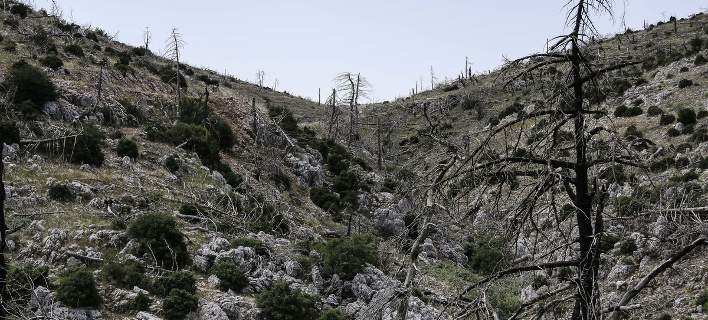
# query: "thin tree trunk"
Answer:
x=379 y=160
x=3 y=233
x=255 y=121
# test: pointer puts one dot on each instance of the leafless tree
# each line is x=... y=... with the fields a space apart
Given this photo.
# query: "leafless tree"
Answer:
x=260 y=78
x=174 y=45
x=352 y=88
x=147 y=36
x=432 y=78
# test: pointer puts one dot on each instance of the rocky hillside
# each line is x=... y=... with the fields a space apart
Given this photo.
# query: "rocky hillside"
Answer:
x=141 y=190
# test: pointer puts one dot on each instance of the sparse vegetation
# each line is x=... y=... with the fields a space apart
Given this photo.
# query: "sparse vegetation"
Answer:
x=75 y=50
x=126 y=274
x=486 y=253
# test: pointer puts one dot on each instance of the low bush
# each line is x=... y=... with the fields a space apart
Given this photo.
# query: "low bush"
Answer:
x=347 y=256
x=172 y=164
x=686 y=116
x=667 y=119
x=181 y=280
x=686 y=177
x=700 y=60
x=627 y=247
x=280 y=302
x=654 y=111
x=696 y=43
x=230 y=276
x=86 y=149
x=169 y=75
x=662 y=165
x=702 y=300
x=21 y=10
x=627 y=206
x=52 y=61
x=268 y=220
x=624 y=111
x=685 y=83
x=258 y=246
x=127 y=148
x=332 y=314
x=632 y=132
x=189 y=210
x=74 y=49
x=607 y=242
x=514 y=108
x=126 y=274
x=486 y=253
x=30 y=84
x=701 y=114
x=77 y=289
x=9 y=133
x=325 y=199
x=159 y=237
x=141 y=302
x=179 y=304
x=61 y=193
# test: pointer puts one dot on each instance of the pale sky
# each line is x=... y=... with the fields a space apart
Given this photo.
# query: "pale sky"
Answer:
x=393 y=43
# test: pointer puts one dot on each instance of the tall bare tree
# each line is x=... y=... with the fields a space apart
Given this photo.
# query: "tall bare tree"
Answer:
x=8 y=135
x=174 y=45
x=147 y=37
x=352 y=87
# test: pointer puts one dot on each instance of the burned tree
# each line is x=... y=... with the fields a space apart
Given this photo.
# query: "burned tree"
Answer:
x=9 y=134
x=174 y=45
x=554 y=152
x=353 y=87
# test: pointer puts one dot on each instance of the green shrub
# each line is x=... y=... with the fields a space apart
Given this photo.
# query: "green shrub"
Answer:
x=702 y=300
x=127 y=148
x=208 y=81
x=268 y=220
x=172 y=164
x=696 y=43
x=126 y=274
x=667 y=119
x=685 y=83
x=627 y=206
x=141 y=302
x=61 y=193
x=632 y=132
x=332 y=314
x=486 y=253
x=514 y=108
x=87 y=148
x=347 y=256
x=140 y=51
x=52 y=61
x=607 y=242
x=281 y=180
x=627 y=247
x=325 y=199
x=77 y=289
x=701 y=114
x=686 y=116
x=280 y=302
x=189 y=210
x=30 y=84
x=258 y=246
x=169 y=75
x=662 y=165
x=700 y=60
x=21 y=10
x=9 y=133
x=654 y=111
x=179 y=304
x=181 y=280
x=221 y=131
x=230 y=276
x=347 y=185
x=672 y=132
x=159 y=237
x=687 y=177
x=193 y=111
x=623 y=111
x=74 y=49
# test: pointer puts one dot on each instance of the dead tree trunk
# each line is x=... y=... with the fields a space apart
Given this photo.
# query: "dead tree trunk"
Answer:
x=254 y=124
x=379 y=148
